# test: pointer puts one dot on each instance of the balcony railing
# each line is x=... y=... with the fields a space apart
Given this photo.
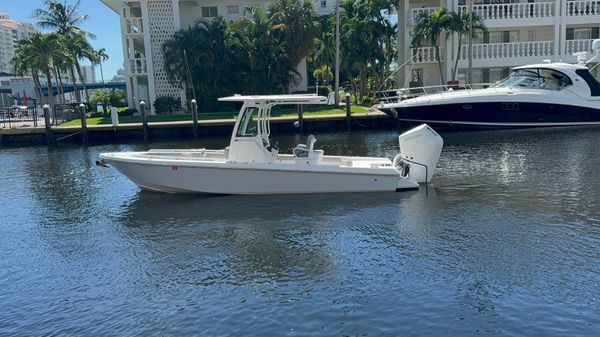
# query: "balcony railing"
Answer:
x=424 y=55
x=417 y=11
x=512 y=49
x=138 y=66
x=513 y=11
x=575 y=46
x=134 y=26
x=583 y=8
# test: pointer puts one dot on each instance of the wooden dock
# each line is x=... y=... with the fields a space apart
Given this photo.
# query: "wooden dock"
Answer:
x=183 y=129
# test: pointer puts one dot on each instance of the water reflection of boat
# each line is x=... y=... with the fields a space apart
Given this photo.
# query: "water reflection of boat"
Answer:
x=538 y=95
x=251 y=164
x=157 y=209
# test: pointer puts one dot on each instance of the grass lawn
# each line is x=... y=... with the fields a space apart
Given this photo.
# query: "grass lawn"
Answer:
x=308 y=111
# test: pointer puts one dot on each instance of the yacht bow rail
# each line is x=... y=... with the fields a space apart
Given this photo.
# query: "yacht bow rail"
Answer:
x=396 y=95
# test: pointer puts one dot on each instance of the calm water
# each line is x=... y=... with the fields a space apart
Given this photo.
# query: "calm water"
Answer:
x=505 y=242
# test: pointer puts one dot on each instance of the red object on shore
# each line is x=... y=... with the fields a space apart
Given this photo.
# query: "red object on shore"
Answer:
x=453 y=84
x=24 y=98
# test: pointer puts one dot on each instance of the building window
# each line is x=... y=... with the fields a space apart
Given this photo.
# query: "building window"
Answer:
x=233 y=9
x=323 y=3
x=582 y=33
x=210 y=12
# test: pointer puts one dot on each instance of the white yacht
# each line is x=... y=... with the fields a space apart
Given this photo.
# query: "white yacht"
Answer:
x=251 y=164
x=537 y=95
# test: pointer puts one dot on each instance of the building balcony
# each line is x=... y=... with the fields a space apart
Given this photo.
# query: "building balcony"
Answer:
x=498 y=54
x=508 y=54
x=424 y=55
x=527 y=14
x=575 y=46
x=138 y=66
x=134 y=26
x=518 y=50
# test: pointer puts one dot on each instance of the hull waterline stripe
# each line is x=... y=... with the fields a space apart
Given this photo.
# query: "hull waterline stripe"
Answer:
x=499 y=124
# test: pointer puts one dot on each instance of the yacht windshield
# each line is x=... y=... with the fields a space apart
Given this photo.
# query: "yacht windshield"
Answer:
x=248 y=125
x=535 y=78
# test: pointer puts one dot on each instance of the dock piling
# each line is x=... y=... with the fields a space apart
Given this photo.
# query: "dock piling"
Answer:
x=144 y=120
x=301 y=118
x=49 y=136
x=84 y=130
x=195 y=118
x=348 y=113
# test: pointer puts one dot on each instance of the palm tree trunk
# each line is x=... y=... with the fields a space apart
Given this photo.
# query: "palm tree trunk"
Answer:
x=77 y=93
x=437 y=55
x=82 y=80
x=38 y=86
x=101 y=74
x=457 y=57
x=363 y=80
x=59 y=82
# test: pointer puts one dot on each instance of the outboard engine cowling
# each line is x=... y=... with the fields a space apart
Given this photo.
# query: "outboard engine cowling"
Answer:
x=420 y=150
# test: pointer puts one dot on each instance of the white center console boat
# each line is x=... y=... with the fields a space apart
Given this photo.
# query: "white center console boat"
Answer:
x=252 y=165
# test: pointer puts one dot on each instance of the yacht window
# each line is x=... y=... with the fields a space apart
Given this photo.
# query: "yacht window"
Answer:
x=248 y=125
x=590 y=80
x=536 y=78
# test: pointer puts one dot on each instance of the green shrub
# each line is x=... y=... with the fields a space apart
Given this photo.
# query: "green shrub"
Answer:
x=126 y=111
x=166 y=104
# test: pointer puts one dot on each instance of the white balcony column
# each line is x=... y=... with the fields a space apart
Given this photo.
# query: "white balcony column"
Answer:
x=404 y=52
x=177 y=26
x=126 y=67
x=451 y=44
x=559 y=45
x=149 y=57
x=558 y=27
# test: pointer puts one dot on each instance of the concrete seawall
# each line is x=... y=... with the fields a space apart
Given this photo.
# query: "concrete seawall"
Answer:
x=183 y=129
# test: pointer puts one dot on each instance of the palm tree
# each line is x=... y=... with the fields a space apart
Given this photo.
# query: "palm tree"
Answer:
x=78 y=49
x=460 y=25
x=298 y=24
x=363 y=30
x=38 y=51
x=62 y=17
x=22 y=66
x=431 y=26
x=100 y=56
x=265 y=63
x=323 y=73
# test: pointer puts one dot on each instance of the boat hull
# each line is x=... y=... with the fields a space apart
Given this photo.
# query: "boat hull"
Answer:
x=493 y=115
x=245 y=178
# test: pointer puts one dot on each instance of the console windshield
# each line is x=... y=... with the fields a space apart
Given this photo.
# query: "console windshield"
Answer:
x=535 y=78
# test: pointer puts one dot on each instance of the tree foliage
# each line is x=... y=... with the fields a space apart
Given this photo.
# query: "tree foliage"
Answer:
x=218 y=58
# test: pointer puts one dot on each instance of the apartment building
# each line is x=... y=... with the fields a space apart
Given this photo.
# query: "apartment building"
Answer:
x=519 y=32
x=10 y=34
x=147 y=24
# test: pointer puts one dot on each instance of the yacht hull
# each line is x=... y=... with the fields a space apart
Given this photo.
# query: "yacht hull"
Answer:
x=248 y=178
x=486 y=115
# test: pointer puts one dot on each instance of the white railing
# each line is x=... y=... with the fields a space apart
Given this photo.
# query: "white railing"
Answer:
x=424 y=55
x=512 y=49
x=417 y=11
x=575 y=46
x=513 y=11
x=583 y=8
x=391 y=96
x=138 y=66
x=134 y=26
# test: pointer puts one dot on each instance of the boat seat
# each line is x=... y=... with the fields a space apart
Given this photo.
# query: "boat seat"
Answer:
x=303 y=151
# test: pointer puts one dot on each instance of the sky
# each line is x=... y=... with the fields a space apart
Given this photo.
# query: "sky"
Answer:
x=102 y=21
